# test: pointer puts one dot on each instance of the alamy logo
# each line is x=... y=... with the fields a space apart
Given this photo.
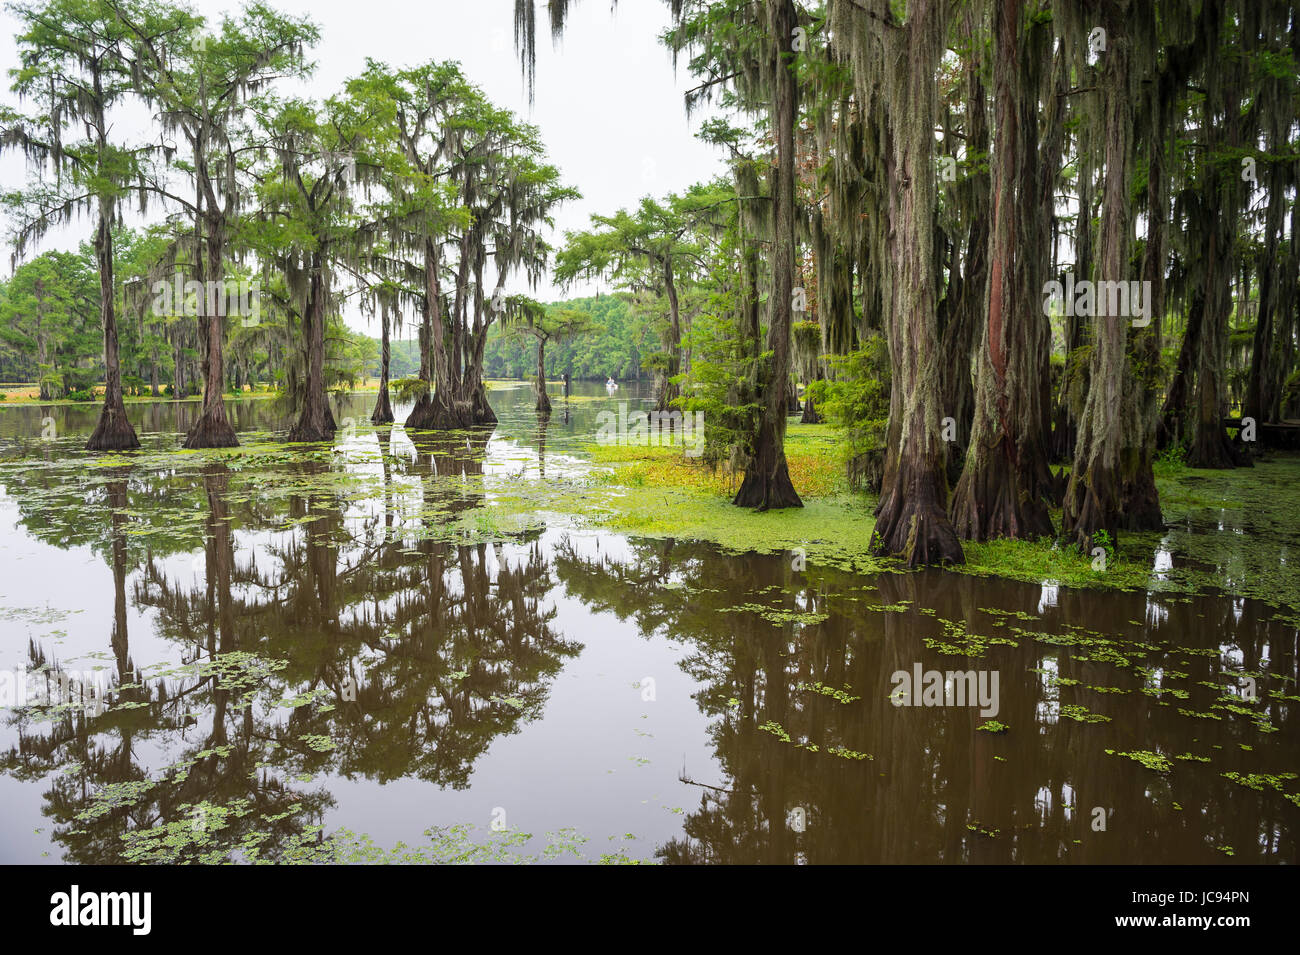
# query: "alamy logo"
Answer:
x=84 y=690
x=103 y=908
x=195 y=298
x=1102 y=299
x=946 y=688
x=656 y=429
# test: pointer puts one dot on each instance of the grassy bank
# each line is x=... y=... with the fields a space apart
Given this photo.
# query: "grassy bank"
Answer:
x=1226 y=530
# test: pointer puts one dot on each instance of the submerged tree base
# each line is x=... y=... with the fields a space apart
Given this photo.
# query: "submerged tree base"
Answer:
x=482 y=411
x=383 y=413
x=113 y=432
x=1091 y=509
x=1140 y=507
x=212 y=430
x=315 y=424
x=437 y=415
x=1212 y=449
x=992 y=500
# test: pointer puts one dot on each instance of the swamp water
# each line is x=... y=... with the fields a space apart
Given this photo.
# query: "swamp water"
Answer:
x=427 y=648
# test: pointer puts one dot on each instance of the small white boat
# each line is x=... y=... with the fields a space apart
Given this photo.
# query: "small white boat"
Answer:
x=611 y=385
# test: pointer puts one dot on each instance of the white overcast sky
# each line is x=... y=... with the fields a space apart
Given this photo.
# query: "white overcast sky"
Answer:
x=607 y=100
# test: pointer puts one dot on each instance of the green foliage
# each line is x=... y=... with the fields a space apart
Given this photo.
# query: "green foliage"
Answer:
x=613 y=351
x=408 y=389
x=856 y=402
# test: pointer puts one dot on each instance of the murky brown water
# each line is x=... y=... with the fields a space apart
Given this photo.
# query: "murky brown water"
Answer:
x=295 y=639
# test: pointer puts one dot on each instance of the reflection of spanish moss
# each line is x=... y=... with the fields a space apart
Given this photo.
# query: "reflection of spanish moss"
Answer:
x=100 y=798
x=402 y=662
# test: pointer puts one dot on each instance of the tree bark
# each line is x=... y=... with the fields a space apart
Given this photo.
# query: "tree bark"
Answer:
x=315 y=421
x=912 y=516
x=114 y=431
x=212 y=429
x=437 y=409
x=543 y=402
x=670 y=391
x=767 y=476
x=1109 y=428
x=383 y=413
x=1005 y=487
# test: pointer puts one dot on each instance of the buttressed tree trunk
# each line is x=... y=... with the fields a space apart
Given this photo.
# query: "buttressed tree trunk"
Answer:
x=316 y=421
x=767 y=477
x=436 y=408
x=1005 y=487
x=1109 y=427
x=481 y=410
x=912 y=516
x=966 y=293
x=212 y=429
x=113 y=432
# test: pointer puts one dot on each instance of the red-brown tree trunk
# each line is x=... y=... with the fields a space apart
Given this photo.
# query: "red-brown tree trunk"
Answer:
x=1005 y=487
x=383 y=413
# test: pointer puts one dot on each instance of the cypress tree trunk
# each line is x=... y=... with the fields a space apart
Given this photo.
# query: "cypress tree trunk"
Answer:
x=767 y=477
x=1140 y=508
x=113 y=432
x=670 y=390
x=810 y=415
x=966 y=292
x=316 y=421
x=1005 y=487
x=1221 y=195
x=212 y=429
x=1065 y=425
x=1053 y=145
x=1173 y=418
x=1288 y=307
x=437 y=408
x=1279 y=96
x=481 y=409
x=912 y=516
x=383 y=413
x=543 y=402
x=42 y=357
x=178 y=370
x=1093 y=498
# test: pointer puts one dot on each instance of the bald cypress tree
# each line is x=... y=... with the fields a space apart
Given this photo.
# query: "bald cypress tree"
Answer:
x=1005 y=488
x=78 y=64
x=1108 y=426
x=199 y=87
x=894 y=64
x=749 y=48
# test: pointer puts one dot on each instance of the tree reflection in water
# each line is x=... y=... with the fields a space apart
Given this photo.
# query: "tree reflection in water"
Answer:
x=819 y=766
x=312 y=646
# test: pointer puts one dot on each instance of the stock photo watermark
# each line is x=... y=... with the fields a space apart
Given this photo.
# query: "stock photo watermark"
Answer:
x=651 y=429
x=946 y=688
x=192 y=298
